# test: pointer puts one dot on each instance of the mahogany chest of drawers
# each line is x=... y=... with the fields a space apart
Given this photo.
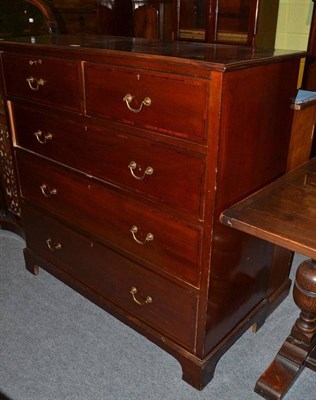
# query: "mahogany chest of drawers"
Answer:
x=127 y=151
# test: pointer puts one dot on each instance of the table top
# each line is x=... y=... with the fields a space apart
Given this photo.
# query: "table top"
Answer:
x=283 y=212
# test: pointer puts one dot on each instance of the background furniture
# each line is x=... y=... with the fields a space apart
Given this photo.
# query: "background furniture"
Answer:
x=76 y=16
x=302 y=134
x=284 y=213
x=25 y=18
x=146 y=22
x=122 y=202
x=309 y=77
x=243 y=22
x=150 y=19
x=115 y=17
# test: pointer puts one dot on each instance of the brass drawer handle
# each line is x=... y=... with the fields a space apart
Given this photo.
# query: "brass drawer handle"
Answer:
x=52 y=245
x=148 y=238
x=133 y=165
x=129 y=98
x=39 y=134
x=47 y=192
x=35 y=83
x=148 y=299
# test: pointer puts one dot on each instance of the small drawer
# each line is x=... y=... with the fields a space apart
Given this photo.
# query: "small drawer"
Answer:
x=160 y=172
x=156 y=301
x=147 y=233
x=45 y=80
x=46 y=134
x=173 y=106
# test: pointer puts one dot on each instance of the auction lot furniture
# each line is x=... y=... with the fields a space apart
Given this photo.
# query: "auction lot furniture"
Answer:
x=284 y=213
x=127 y=152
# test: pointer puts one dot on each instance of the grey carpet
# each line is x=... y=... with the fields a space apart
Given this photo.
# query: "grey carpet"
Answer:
x=56 y=345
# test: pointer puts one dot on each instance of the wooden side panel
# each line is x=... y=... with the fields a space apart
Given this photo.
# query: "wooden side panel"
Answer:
x=301 y=136
x=254 y=141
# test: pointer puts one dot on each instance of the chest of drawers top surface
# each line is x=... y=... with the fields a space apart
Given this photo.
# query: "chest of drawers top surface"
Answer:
x=153 y=52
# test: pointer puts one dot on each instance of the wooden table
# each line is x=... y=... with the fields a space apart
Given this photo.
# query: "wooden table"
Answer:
x=284 y=213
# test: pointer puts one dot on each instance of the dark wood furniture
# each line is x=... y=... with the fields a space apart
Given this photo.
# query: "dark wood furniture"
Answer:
x=14 y=20
x=76 y=16
x=146 y=22
x=302 y=134
x=243 y=22
x=149 y=19
x=127 y=152
x=309 y=77
x=115 y=17
x=283 y=213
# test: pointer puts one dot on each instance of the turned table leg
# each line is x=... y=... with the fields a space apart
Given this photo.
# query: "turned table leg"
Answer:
x=299 y=349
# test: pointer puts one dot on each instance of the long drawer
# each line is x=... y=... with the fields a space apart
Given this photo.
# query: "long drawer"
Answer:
x=171 y=105
x=151 y=235
x=160 y=172
x=45 y=80
x=156 y=301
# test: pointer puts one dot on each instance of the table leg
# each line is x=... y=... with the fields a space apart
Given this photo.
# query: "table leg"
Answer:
x=299 y=349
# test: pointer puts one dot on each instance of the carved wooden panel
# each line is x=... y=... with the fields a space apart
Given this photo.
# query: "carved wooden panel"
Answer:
x=9 y=180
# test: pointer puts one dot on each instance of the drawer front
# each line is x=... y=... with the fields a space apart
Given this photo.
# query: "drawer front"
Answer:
x=45 y=80
x=46 y=134
x=148 y=234
x=160 y=172
x=174 y=106
x=172 y=310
